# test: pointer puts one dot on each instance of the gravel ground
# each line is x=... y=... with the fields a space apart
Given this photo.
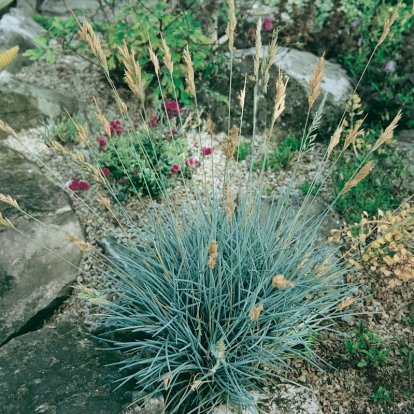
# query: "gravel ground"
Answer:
x=342 y=388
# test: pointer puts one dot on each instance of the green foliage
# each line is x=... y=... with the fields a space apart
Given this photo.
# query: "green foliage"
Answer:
x=382 y=189
x=136 y=24
x=141 y=162
x=283 y=156
x=306 y=185
x=367 y=346
x=242 y=151
x=64 y=130
x=381 y=395
x=348 y=31
x=212 y=325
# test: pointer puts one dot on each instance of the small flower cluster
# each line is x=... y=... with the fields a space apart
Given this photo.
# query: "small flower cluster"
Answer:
x=79 y=185
x=172 y=107
x=193 y=161
x=115 y=127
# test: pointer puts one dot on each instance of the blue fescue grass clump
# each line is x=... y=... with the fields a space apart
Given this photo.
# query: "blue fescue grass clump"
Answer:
x=214 y=324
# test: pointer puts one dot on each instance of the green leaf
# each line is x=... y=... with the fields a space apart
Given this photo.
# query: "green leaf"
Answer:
x=34 y=54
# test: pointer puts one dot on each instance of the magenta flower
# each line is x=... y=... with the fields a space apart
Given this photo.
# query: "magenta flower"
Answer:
x=355 y=23
x=78 y=185
x=115 y=127
x=191 y=162
x=102 y=144
x=122 y=180
x=267 y=23
x=175 y=167
x=207 y=151
x=83 y=185
x=389 y=66
x=153 y=121
x=74 y=185
x=172 y=107
x=105 y=172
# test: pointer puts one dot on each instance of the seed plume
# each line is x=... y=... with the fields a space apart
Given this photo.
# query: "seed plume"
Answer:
x=212 y=254
x=387 y=134
x=315 y=81
x=365 y=170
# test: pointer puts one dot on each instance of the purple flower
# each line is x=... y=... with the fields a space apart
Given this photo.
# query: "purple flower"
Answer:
x=359 y=43
x=389 y=66
x=175 y=167
x=355 y=23
x=267 y=23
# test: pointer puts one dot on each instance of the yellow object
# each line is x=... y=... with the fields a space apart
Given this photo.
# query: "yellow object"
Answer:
x=7 y=56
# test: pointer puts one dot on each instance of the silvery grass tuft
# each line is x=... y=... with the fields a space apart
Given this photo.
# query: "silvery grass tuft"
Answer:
x=216 y=298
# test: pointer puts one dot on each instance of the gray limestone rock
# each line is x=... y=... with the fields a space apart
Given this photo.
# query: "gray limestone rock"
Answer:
x=32 y=279
x=18 y=29
x=299 y=67
x=23 y=105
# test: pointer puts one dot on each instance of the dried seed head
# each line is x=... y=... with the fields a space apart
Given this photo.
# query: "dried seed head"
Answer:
x=387 y=26
x=230 y=206
x=107 y=203
x=212 y=254
x=102 y=120
x=133 y=75
x=334 y=139
x=87 y=33
x=255 y=312
x=166 y=381
x=190 y=72
x=242 y=94
x=82 y=133
x=365 y=170
x=210 y=125
x=231 y=143
x=258 y=45
x=91 y=295
x=354 y=133
x=7 y=128
x=268 y=62
x=280 y=282
x=9 y=200
x=168 y=62
x=231 y=24
x=315 y=81
x=6 y=222
x=388 y=133
x=280 y=96
x=154 y=58
x=344 y=304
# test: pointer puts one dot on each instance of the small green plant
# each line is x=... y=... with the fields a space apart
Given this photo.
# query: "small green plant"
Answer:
x=64 y=130
x=381 y=395
x=284 y=155
x=306 y=185
x=367 y=346
x=242 y=151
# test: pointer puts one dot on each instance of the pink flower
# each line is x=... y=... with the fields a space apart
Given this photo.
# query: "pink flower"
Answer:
x=196 y=144
x=102 y=144
x=175 y=167
x=153 y=121
x=105 y=172
x=389 y=66
x=122 y=180
x=115 y=126
x=267 y=23
x=83 y=185
x=207 y=151
x=191 y=162
x=74 y=185
x=171 y=105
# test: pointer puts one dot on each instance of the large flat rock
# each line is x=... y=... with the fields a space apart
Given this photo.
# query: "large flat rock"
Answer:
x=32 y=279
